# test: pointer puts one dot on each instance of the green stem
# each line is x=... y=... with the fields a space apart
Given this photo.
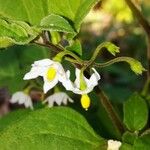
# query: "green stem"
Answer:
x=97 y=53
x=148 y=56
x=115 y=60
x=110 y=110
x=66 y=52
x=146 y=88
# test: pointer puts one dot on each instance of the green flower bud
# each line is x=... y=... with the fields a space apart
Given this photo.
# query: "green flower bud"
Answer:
x=113 y=49
x=136 y=67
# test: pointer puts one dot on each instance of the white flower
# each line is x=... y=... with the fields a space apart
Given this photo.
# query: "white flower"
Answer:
x=113 y=145
x=51 y=71
x=75 y=87
x=22 y=98
x=58 y=98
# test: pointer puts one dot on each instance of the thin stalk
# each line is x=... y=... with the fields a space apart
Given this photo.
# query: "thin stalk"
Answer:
x=96 y=54
x=110 y=110
x=148 y=56
x=146 y=88
x=66 y=52
x=53 y=47
x=112 y=61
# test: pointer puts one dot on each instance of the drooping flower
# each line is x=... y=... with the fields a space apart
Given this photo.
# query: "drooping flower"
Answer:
x=82 y=85
x=136 y=67
x=58 y=98
x=51 y=71
x=22 y=99
x=113 y=145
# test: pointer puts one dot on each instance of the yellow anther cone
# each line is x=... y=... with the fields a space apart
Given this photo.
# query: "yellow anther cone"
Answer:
x=85 y=101
x=51 y=74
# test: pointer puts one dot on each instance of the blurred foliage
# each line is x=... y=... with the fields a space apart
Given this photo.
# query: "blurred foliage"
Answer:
x=118 y=9
x=15 y=62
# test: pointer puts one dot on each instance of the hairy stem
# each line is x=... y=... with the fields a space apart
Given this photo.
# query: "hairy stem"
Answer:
x=66 y=52
x=54 y=48
x=115 y=60
x=146 y=88
x=110 y=110
x=97 y=53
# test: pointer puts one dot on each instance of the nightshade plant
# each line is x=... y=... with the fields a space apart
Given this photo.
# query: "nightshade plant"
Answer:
x=40 y=22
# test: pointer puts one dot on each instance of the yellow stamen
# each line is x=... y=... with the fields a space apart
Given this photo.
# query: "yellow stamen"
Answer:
x=51 y=73
x=85 y=101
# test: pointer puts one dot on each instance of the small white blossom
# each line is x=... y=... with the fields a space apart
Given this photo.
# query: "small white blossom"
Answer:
x=58 y=98
x=75 y=87
x=22 y=99
x=51 y=71
x=113 y=145
x=89 y=85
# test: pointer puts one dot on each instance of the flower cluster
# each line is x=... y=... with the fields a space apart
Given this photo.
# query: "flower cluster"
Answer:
x=22 y=98
x=53 y=72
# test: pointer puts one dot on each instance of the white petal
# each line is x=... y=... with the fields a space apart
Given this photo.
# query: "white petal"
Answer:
x=58 y=66
x=59 y=98
x=49 y=84
x=16 y=96
x=70 y=100
x=67 y=83
x=28 y=103
x=113 y=145
x=22 y=99
x=50 y=104
x=43 y=62
x=50 y=101
x=77 y=81
x=35 y=72
x=38 y=68
x=91 y=83
x=68 y=74
x=95 y=77
x=64 y=100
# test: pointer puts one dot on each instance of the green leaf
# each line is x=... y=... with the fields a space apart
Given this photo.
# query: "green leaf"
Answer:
x=12 y=118
x=56 y=23
x=135 y=113
x=33 y=11
x=75 y=47
x=55 y=128
x=142 y=143
x=125 y=146
x=129 y=137
x=6 y=42
x=15 y=32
